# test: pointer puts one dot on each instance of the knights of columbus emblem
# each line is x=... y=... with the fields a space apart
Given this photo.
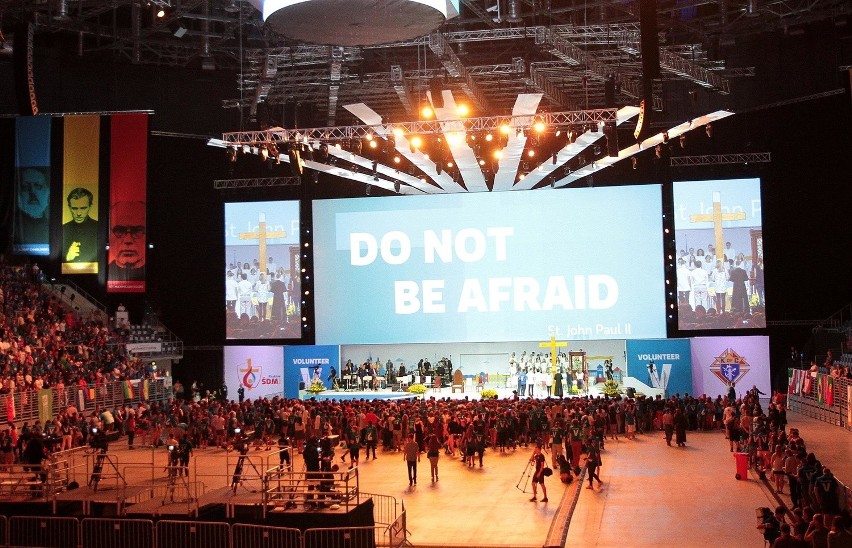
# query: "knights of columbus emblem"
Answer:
x=729 y=367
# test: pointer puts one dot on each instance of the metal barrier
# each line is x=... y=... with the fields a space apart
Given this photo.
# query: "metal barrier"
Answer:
x=287 y=488
x=106 y=396
x=193 y=534
x=47 y=532
x=258 y=536
x=809 y=404
x=113 y=533
x=385 y=507
x=342 y=537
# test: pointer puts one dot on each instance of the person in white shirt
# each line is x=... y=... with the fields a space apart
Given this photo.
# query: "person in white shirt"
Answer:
x=698 y=278
x=231 y=294
x=244 y=289
x=683 y=281
x=720 y=286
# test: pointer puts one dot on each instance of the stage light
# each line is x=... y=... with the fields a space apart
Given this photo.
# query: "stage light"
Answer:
x=498 y=154
x=416 y=142
x=558 y=132
x=481 y=162
x=161 y=13
x=462 y=110
x=369 y=136
x=397 y=132
x=427 y=112
x=450 y=164
x=246 y=149
x=505 y=129
x=373 y=144
x=489 y=137
x=369 y=188
x=521 y=176
x=708 y=129
x=530 y=153
x=396 y=159
x=539 y=126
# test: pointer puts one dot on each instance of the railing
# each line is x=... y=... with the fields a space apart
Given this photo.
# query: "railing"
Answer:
x=827 y=399
x=68 y=532
x=107 y=395
x=288 y=489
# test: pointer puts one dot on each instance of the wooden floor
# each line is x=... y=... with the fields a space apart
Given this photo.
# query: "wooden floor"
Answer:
x=652 y=495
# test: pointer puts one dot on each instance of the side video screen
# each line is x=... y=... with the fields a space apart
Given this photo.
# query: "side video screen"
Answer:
x=262 y=271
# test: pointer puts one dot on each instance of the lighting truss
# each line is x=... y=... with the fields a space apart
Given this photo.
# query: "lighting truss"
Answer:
x=717 y=159
x=426 y=127
x=262 y=182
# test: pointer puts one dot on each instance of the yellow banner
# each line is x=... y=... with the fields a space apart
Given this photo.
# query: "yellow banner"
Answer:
x=80 y=250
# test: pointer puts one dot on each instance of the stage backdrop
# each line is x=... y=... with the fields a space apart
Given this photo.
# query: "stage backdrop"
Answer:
x=300 y=362
x=257 y=369
x=584 y=263
x=672 y=367
x=717 y=361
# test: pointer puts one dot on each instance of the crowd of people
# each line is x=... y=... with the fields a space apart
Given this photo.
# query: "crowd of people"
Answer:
x=814 y=517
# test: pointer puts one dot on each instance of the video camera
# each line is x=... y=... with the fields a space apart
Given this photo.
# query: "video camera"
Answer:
x=98 y=440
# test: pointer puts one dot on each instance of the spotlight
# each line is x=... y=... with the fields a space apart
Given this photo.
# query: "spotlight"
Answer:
x=498 y=154
x=373 y=144
x=315 y=177
x=161 y=13
x=416 y=142
x=539 y=126
x=530 y=153
x=396 y=159
x=462 y=110
x=427 y=112
x=397 y=132
x=489 y=137
x=505 y=129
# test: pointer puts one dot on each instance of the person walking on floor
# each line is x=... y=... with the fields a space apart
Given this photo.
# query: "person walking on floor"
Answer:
x=433 y=453
x=538 y=460
x=593 y=461
x=411 y=455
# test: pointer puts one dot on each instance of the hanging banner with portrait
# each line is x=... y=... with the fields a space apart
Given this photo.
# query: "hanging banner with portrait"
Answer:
x=80 y=173
x=32 y=186
x=127 y=203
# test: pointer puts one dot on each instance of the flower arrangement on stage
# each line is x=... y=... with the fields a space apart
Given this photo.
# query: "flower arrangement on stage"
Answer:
x=611 y=388
x=316 y=386
x=489 y=394
x=417 y=389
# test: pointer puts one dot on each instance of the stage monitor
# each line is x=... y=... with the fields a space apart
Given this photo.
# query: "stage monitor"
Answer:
x=584 y=263
x=719 y=254
x=262 y=270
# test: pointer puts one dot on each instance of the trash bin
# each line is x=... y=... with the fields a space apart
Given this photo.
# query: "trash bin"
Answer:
x=742 y=465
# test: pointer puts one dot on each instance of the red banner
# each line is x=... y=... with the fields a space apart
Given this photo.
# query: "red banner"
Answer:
x=128 y=198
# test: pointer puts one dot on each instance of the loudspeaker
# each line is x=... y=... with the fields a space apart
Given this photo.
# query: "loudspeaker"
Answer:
x=611 y=134
x=650 y=42
x=436 y=86
x=23 y=61
x=609 y=93
x=295 y=162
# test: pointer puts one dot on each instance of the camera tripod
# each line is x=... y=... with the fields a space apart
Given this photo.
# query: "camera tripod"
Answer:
x=525 y=477
x=97 y=469
x=237 y=478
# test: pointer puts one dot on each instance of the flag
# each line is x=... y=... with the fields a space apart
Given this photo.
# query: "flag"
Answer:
x=10 y=408
x=146 y=389
x=81 y=399
x=45 y=405
x=791 y=380
x=128 y=390
x=820 y=386
x=91 y=394
x=829 y=390
x=806 y=383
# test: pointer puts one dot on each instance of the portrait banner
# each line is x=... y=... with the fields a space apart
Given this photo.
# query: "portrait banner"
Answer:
x=127 y=203
x=31 y=234
x=80 y=181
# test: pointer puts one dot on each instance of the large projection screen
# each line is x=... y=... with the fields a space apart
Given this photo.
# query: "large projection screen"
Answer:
x=262 y=273
x=719 y=289
x=575 y=263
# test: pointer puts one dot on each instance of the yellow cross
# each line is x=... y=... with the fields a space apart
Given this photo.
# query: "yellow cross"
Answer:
x=552 y=344
x=716 y=218
x=262 y=235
